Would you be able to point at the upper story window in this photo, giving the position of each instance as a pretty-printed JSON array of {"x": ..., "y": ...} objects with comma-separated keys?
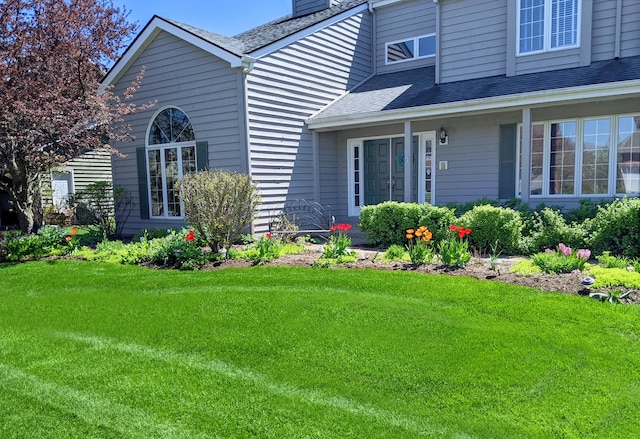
[
  {"x": 171, "y": 154},
  {"x": 545, "y": 25},
  {"x": 413, "y": 48}
]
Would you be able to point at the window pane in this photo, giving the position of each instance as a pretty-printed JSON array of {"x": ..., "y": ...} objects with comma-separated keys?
[
  {"x": 427, "y": 46},
  {"x": 537, "y": 159},
  {"x": 562, "y": 158},
  {"x": 155, "y": 180},
  {"x": 595, "y": 156},
  {"x": 628, "y": 156},
  {"x": 172, "y": 177},
  {"x": 531, "y": 25},
  {"x": 171, "y": 126},
  {"x": 564, "y": 23},
  {"x": 188, "y": 160},
  {"x": 400, "y": 51}
]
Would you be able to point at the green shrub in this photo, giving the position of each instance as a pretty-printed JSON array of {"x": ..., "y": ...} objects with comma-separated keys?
[
  {"x": 609, "y": 261},
  {"x": 219, "y": 205},
  {"x": 460, "y": 209},
  {"x": 48, "y": 241},
  {"x": 587, "y": 210},
  {"x": 616, "y": 228},
  {"x": 614, "y": 277},
  {"x": 491, "y": 224},
  {"x": 395, "y": 252},
  {"x": 386, "y": 224},
  {"x": 548, "y": 228}
]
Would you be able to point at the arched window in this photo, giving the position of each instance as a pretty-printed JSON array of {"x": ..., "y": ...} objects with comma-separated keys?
[{"x": 171, "y": 153}]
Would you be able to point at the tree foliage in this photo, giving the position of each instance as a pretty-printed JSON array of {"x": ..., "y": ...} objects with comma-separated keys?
[
  {"x": 53, "y": 54},
  {"x": 219, "y": 205}
]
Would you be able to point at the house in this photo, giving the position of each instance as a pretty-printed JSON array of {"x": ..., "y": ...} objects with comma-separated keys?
[{"x": 354, "y": 102}]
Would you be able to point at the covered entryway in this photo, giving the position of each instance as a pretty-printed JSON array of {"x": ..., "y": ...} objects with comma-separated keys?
[{"x": 378, "y": 170}]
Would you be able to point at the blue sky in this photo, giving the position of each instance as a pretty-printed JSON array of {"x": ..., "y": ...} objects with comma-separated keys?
[{"x": 226, "y": 17}]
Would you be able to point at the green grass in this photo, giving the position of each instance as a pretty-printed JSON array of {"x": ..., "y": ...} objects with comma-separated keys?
[{"x": 90, "y": 350}]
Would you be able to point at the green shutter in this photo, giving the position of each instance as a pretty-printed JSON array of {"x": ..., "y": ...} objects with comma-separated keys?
[
  {"x": 507, "y": 166},
  {"x": 202, "y": 156},
  {"x": 143, "y": 187}
]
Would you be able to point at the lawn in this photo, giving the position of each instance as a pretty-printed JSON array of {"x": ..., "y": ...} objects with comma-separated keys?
[{"x": 90, "y": 350}]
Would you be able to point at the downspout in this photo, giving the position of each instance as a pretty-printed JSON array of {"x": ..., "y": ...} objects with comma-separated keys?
[
  {"x": 618, "y": 42},
  {"x": 248, "y": 63}
]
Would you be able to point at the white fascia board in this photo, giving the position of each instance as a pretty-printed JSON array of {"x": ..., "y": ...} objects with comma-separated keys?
[
  {"x": 266, "y": 50},
  {"x": 151, "y": 30},
  {"x": 501, "y": 103}
]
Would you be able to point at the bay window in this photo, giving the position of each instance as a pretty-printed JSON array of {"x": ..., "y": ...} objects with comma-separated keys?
[{"x": 584, "y": 157}]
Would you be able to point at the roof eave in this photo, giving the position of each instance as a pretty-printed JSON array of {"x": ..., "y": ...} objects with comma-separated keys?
[
  {"x": 150, "y": 31},
  {"x": 469, "y": 107}
]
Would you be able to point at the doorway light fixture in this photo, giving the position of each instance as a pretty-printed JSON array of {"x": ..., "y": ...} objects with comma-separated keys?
[{"x": 442, "y": 136}]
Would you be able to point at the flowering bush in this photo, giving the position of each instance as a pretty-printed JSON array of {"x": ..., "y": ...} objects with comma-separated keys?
[
  {"x": 419, "y": 247},
  {"x": 338, "y": 243},
  {"x": 561, "y": 260},
  {"x": 454, "y": 251}
]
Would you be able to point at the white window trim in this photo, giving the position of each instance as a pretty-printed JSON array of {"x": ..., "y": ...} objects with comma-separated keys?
[
  {"x": 416, "y": 42},
  {"x": 353, "y": 209},
  {"x": 547, "y": 30},
  {"x": 577, "y": 193}
]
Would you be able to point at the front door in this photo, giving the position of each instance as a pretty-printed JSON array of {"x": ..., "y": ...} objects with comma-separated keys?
[{"x": 383, "y": 170}]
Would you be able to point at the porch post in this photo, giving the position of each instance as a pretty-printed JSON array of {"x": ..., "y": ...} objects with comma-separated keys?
[
  {"x": 525, "y": 176},
  {"x": 408, "y": 160}
]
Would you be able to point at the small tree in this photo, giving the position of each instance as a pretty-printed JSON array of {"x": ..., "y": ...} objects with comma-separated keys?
[
  {"x": 53, "y": 54},
  {"x": 110, "y": 206},
  {"x": 219, "y": 205}
]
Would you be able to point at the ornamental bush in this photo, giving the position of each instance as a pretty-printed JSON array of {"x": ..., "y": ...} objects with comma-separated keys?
[
  {"x": 385, "y": 224},
  {"x": 219, "y": 205},
  {"x": 616, "y": 228},
  {"x": 491, "y": 224},
  {"x": 548, "y": 227}
]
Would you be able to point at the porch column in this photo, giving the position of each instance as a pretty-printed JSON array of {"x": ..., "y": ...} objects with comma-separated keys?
[
  {"x": 525, "y": 176},
  {"x": 408, "y": 161}
]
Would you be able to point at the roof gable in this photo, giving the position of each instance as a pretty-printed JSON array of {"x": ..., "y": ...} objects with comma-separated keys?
[
  {"x": 218, "y": 45},
  {"x": 234, "y": 50}
]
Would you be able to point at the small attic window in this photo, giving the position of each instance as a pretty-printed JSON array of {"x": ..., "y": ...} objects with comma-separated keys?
[
  {"x": 414, "y": 48},
  {"x": 171, "y": 126}
]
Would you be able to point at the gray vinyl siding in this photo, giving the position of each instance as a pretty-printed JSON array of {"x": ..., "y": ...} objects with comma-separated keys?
[
  {"x": 205, "y": 88},
  {"x": 284, "y": 89},
  {"x": 474, "y": 39},
  {"x": 304, "y": 7},
  {"x": 604, "y": 30},
  {"x": 91, "y": 167},
  {"x": 630, "y": 31},
  {"x": 401, "y": 21}
]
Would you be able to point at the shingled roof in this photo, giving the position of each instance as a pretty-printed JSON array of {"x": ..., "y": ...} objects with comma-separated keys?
[
  {"x": 272, "y": 32},
  {"x": 417, "y": 88}
]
